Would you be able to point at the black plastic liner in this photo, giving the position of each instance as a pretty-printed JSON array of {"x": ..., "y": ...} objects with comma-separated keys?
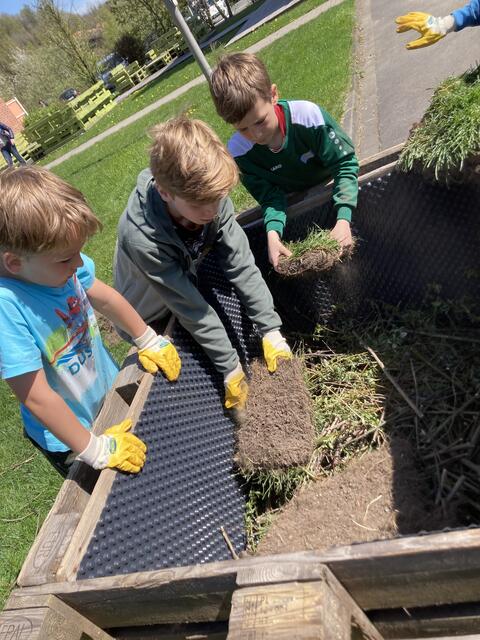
[
  {"x": 411, "y": 235},
  {"x": 171, "y": 513}
]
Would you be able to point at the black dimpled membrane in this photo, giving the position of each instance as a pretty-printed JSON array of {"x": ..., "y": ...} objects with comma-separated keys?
[
  {"x": 410, "y": 235},
  {"x": 171, "y": 513}
]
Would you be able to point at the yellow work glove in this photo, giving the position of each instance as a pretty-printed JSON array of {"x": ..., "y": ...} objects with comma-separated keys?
[
  {"x": 431, "y": 29},
  {"x": 156, "y": 352},
  {"x": 236, "y": 388},
  {"x": 115, "y": 449},
  {"x": 274, "y": 347}
]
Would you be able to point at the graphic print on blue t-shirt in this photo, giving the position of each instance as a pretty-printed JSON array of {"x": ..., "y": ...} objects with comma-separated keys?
[{"x": 54, "y": 329}]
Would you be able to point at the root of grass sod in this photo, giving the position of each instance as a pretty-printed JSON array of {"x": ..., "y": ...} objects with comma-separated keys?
[
  {"x": 276, "y": 429},
  {"x": 314, "y": 254},
  {"x": 377, "y": 496},
  {"x": 310, "y": 262}
]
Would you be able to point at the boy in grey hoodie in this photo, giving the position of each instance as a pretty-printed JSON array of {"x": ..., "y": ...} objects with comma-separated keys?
[{"x": 179, "y": 209}]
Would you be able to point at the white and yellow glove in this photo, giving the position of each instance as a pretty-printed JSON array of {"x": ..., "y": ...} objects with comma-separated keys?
[
  {"x": 115, "y": 449},
  {"x": 156, "y": 352},
  {"x": 431, "y": 29},
  {"x": 236, "y": 388},
  {"x": 274, "y": 347}
]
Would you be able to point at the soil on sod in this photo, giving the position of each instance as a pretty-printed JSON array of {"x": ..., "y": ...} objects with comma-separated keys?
[
  {"x": 276, "y": 429},
  {"x": 311, "y": 262},
  {"x": 378, "y": 496}
]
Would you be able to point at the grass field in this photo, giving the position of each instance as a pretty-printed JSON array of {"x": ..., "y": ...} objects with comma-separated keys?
[
  {"x": 181, "y": 75},
  {"x": 106, "y": 174}
]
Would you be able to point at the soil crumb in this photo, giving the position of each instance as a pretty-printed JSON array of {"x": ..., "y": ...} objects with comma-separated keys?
[
  {"x": 276, "y": 429},
  {"x": 378, "y": 496}
]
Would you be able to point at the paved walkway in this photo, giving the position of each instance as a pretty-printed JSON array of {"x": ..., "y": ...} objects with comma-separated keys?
[
  {"x": 393, "y": 86},
  {"x": 311, "y": 15}
]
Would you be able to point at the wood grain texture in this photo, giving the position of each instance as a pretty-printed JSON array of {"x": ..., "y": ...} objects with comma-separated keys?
[
  {"x": 71, "y": 560},
  {"x": 413, "y": 571},
  {"x": 54, "y": 620},
  {"x": 298, "y": 610}
]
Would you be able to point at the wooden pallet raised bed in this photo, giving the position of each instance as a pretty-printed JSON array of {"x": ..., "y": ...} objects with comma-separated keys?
[{"x": 407, "y": 587}]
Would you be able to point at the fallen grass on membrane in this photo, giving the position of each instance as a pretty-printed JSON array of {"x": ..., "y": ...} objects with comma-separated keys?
[
  {"x": 449, "y": 133},
  {"x": 426, "y": 388}
]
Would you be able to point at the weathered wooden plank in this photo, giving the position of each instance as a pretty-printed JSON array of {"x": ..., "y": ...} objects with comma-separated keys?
[
  {"x": 43, "y": 559},
  {"x": 428, "y": 622},
  {"x": 53, "y": 621},
  {"x": 288, "y": 611},
  {"x": 405, "y": 572},
  {"x": 298, "y": 610},
  {"x": 70, "y": 563}
]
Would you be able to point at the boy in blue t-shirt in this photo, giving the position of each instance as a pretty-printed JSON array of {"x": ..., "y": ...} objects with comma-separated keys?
[{"x": 51, "y": 352}]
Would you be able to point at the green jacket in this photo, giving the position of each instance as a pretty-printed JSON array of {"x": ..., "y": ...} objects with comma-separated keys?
[
  {"x": 315, "y": 150},
  {"x": 155, "y": 272}
]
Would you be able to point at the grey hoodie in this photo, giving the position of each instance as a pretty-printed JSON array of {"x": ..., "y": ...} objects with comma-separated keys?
[{"x": 155, "y": 272}]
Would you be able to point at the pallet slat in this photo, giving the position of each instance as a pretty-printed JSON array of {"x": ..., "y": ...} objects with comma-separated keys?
[{"x": 52, "y": 619}]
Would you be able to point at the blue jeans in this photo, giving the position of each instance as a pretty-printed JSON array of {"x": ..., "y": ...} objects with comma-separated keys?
[{"x": 10, "y": 150}]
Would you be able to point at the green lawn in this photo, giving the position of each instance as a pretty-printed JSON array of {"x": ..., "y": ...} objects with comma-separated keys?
[
  {"x": 106, "y": 174},
  {"x": 179, "y": 76}
]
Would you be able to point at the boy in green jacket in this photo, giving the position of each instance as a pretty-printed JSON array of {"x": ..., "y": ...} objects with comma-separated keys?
[
  {"x": 283, "y": 146},
  {"x": 178, "y": 210}
]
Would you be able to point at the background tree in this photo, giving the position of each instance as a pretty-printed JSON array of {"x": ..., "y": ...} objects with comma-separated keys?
[
  {"x": 61, "y": 31},
  {"x": 130, "y": 47},
  {"x": 146, "y": 18}
]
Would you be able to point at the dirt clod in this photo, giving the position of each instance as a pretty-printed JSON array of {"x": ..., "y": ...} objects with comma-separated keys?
[
  {"x": 276, "y": 429},
  {"x": 377, "y": 496}
]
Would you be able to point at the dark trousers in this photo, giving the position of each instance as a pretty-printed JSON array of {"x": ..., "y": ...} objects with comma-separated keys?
[
  {"x": 61, "y": 461},
  {"x": 10, "y": 150}
]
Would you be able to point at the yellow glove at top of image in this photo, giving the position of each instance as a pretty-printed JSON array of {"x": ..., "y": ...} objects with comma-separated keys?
[{"x": 431, "y": 29}]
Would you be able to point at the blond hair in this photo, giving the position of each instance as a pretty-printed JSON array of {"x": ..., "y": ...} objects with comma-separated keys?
[
  {"x": 188, "y": 159},
  {"x": 236, "y": 83},
  {"x": 40, "y": 212}
]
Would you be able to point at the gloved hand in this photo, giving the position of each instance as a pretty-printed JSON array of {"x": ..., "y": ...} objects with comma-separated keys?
[
  {"x": 156, "y": 352},
  {"x": 275, "y": 346},
  {"x": 115, "y": 449},
  {"x": 236, "y": 388},
  {"x": 431, "y": 29}
]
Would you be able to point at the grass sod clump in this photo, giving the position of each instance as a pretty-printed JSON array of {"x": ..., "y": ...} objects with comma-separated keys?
[
  {"x": 432, "y": 359},
  {"x": 275, "y": 430},
  {"x": 445, "y": 145},
  {"x": 317, "y": 252}
]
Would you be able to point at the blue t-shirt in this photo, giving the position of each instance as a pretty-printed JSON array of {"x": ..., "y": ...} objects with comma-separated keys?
[{"x": 54, "y": 328}]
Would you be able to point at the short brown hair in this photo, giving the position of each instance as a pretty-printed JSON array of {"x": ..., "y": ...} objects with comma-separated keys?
[
  {"x": 40, "y": 212},
  {"x": 236, "y": 83},
  {"x": 188, "y": 159}
]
